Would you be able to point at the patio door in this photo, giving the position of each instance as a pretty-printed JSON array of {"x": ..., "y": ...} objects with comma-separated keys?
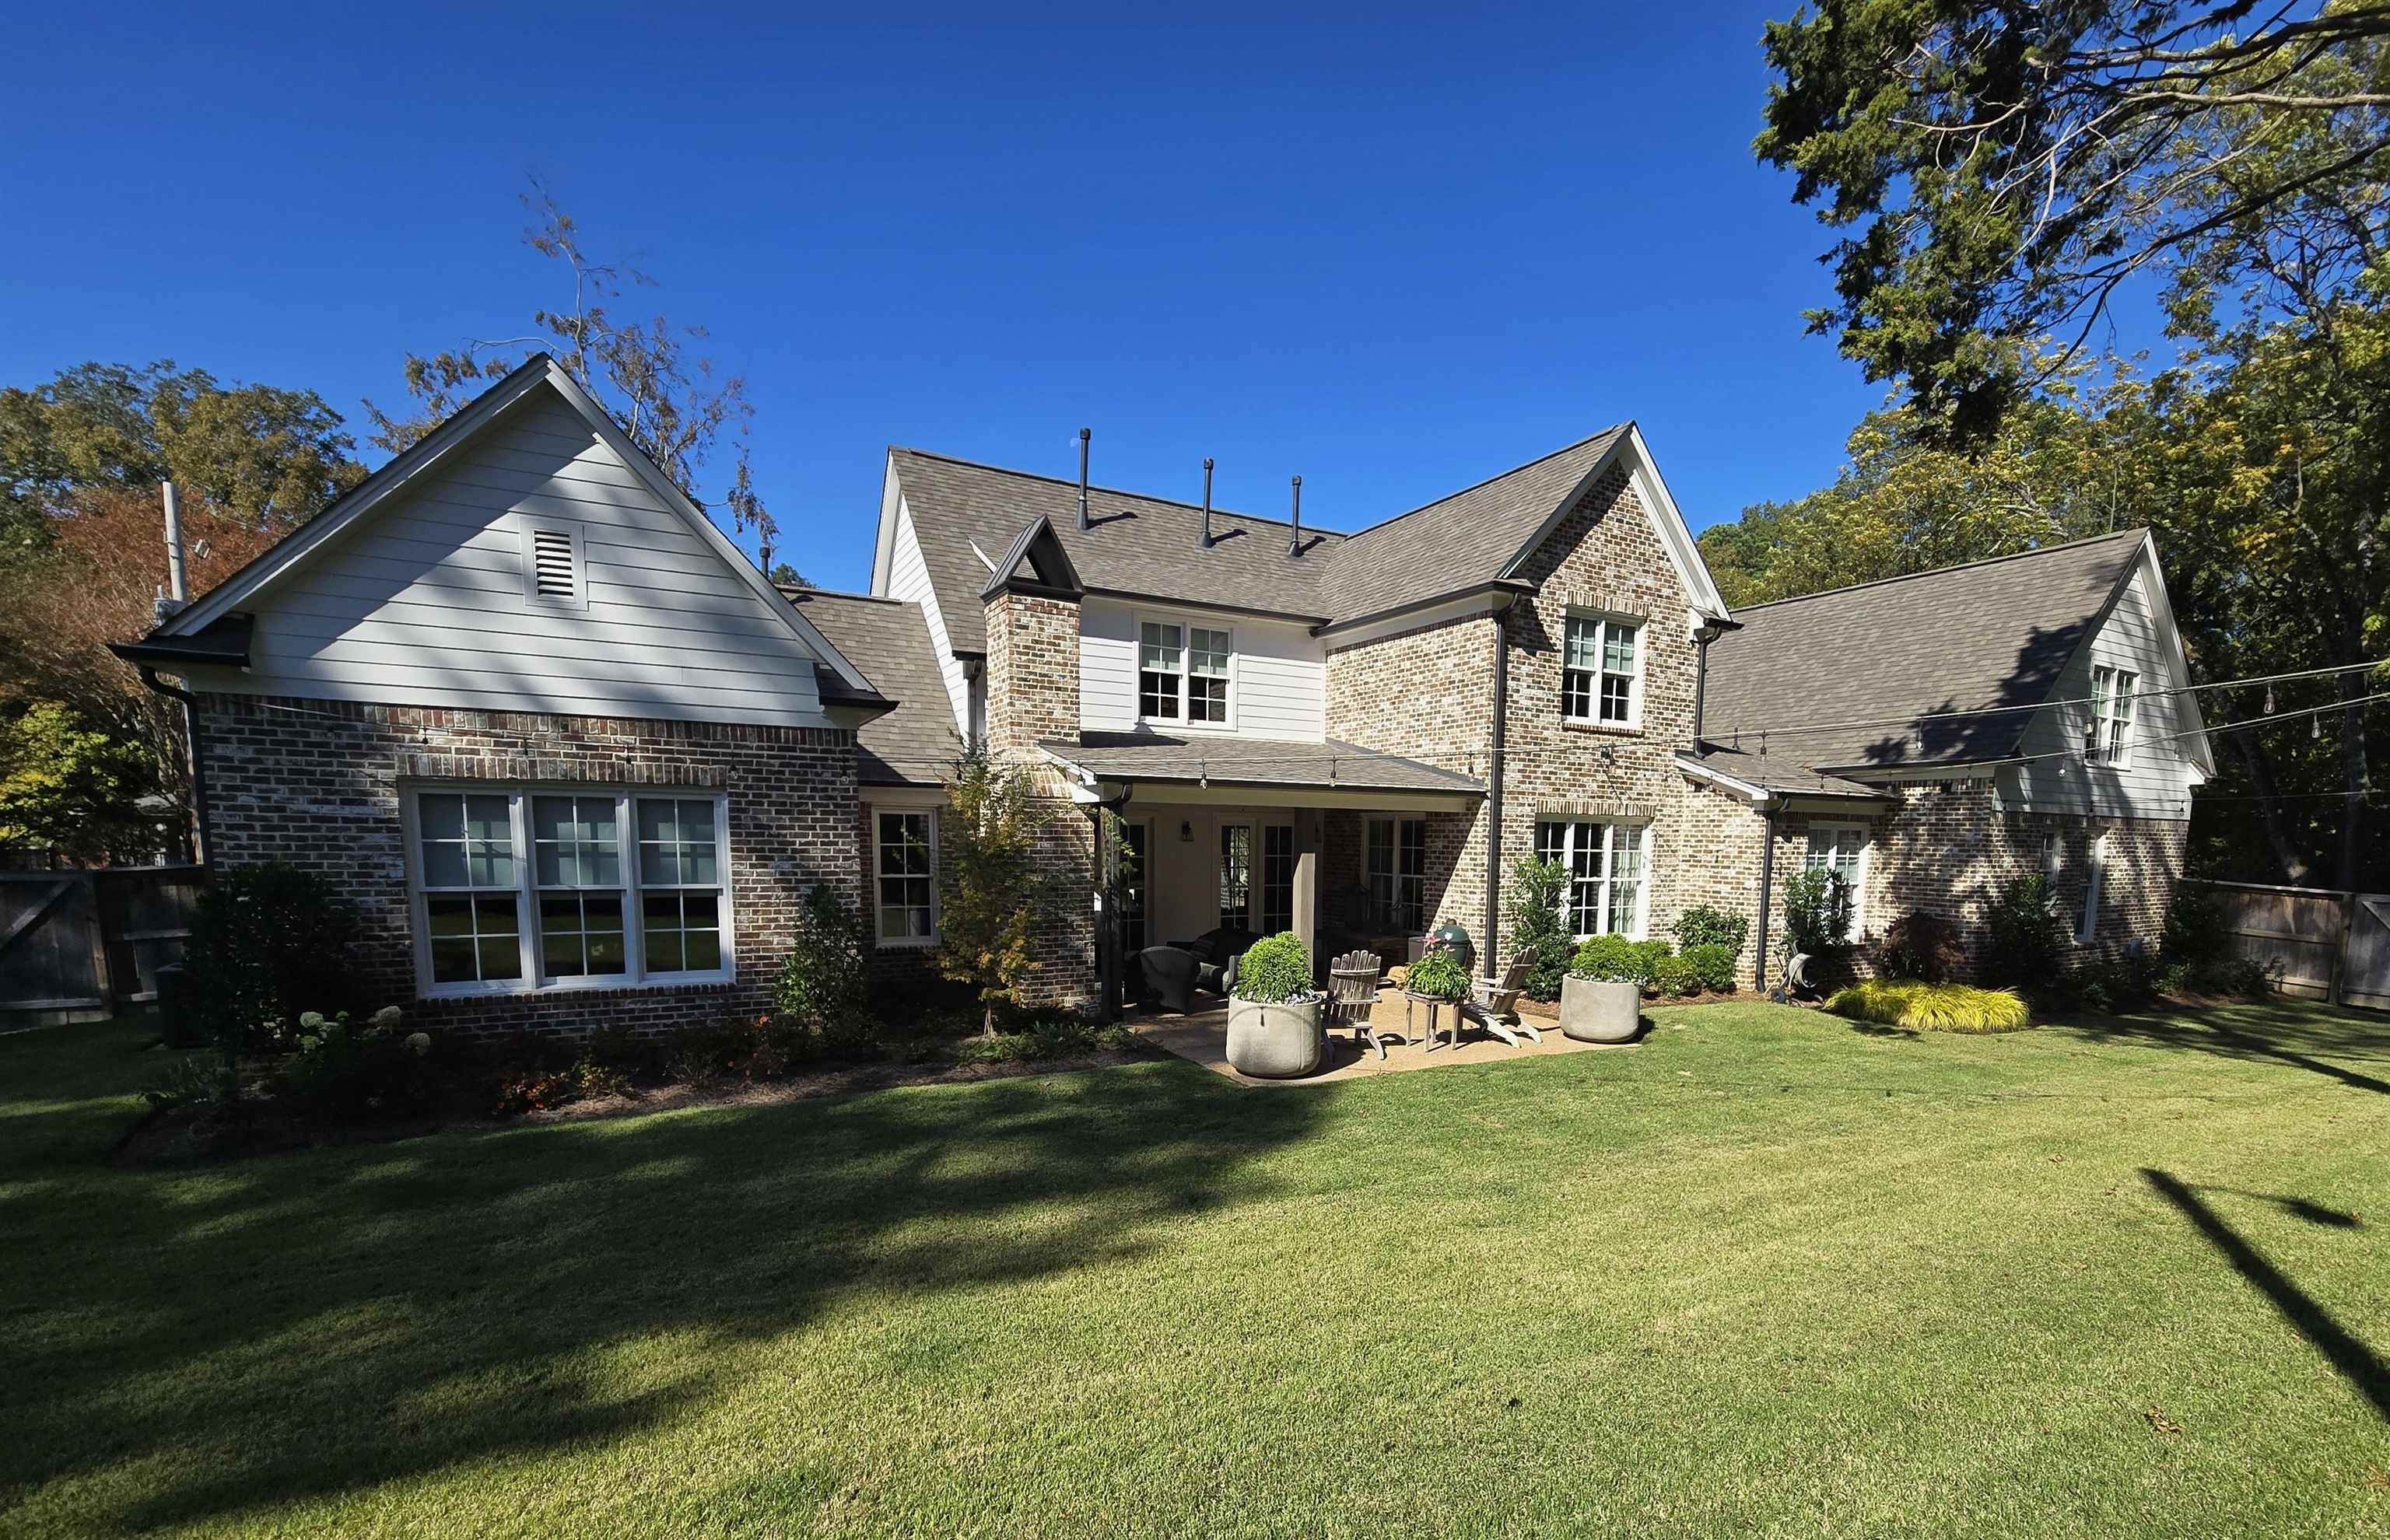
[
  {"x": 1235, "y": 877},
  {"x": 1278, "y": 879}
]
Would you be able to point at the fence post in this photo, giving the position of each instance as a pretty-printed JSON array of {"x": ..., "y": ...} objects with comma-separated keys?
[{"x": 2338, "y": 993}]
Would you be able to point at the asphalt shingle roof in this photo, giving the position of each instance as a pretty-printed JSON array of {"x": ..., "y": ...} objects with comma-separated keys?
[
  {"x": 889, "y": 640},
  {"x": 1992, "y": 632},
  {"x": 1457, "y": 542},
  {"x": 1260, "y": 762},
  {"x": 1139, "y": 545}
]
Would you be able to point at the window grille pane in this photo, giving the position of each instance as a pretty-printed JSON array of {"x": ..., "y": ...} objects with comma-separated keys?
[
  {"x": 474, "y": 938},
  {"x": 1584, "y": 649},
  {"x": 581, "y": 934},
  {"x": 1278, "y": 879},
  {"x": 1618, "y": 647},
  {"x": 574, "y": 842},
  {"x": 1207, "y": 701},
  {"x": 1617, "y": 697},
  {"x": 1576, "y": 692},
  {"x": 1158, "y": 648}
]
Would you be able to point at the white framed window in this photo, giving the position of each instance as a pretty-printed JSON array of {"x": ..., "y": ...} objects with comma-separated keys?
[
  {"x": 1185, "y": 672},
  {"x": 2053, "y": 855},
  {"x": 519, "y": 889},
  {"x": 1278, "y": 879},
  {"x": 1602, "y": 671},
  {"x": 2095, "y": 883},
  {"x": 1235, "y": 877},
  {"x": 1396, "y": 868},
  {"x": 905, "y": 876},
  {"x": 1609, "y": 893},
  {"x": 1841, "y": 852},
  {"x": 2110, "y": 741}
]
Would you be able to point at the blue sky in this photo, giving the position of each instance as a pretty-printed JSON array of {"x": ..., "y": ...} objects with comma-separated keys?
[{"x": 1395, "y": 257}]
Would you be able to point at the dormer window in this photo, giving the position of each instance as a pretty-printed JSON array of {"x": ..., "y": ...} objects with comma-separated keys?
[{"x": 1183, "y": 673}]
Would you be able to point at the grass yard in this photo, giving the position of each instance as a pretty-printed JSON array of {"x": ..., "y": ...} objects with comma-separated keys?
[{"x": 1771, "y": 1273}]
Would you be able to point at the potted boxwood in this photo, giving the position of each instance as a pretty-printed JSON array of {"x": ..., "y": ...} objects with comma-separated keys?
[
  {"x": 1602, "y": 996},
  {"x": 1274, "y": 1029}
]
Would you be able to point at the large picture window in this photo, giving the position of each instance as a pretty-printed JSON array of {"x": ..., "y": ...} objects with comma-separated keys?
[
  {"x": 1606, "y": 866},
  {"x": 1183, "y": 673},
  {"x": 1602, "y": 672},
  {"x": 522, "y": 889},
  {"x": 906, "y": 868},
  {"x": 1398, "y": 874}
]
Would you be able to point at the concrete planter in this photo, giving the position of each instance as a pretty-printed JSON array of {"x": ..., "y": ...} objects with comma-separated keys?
[
  {"x": 1601, "y": 1011},
  {"x": 1276, "y": 1039}
]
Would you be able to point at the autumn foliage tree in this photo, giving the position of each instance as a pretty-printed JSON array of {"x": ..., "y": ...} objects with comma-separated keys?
[{"x": 993, "y": 898}]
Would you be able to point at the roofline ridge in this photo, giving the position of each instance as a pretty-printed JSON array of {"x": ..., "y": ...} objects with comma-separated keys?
[
  {"x": 2142, "y": 529},
  {"x": 1614, "y": 428},
  {"x": 1217, "y": 512},
  {"x": 790, "y": 590}
]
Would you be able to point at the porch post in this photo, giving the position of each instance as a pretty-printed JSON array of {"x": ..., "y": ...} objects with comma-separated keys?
[{"x": 1307, "y": 882}]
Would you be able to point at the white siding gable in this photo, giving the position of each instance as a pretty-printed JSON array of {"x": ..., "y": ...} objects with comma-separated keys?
[
  {"x": 908, "y": 578},
  {"x": 435, "y": 600},
  {"x": 1277, "y": 674},
  {"x": 2158, "y": 781}
]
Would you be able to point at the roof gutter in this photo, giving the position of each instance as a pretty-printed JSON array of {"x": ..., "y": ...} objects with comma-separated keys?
[{"x": 1512, "y": 586}]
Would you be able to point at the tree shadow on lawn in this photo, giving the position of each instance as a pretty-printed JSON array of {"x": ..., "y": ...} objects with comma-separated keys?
[
  {"x": 2304, "y": 1036},
  {"x": 305, "y": 1325}
]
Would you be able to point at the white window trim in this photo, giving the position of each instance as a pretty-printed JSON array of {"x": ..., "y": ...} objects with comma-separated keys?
[
  {"x": 2113, "y": 731},
  {"x": 1187, "y": 627},
  {"x": 1606, "y": 619},
  {"x": 1859, "y": 882},
  {"x": 1640, "y": 834},
  {"x": 906, "y": 943},
  {"x": 525, "y": 526},
  {"x": 635, "y": 952},
  {"x": 2095, "y": 882}
]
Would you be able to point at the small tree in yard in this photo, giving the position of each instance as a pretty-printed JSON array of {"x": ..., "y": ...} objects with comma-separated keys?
[
  {"x": 992, "y": 899},
  {"x": 1537, "y": 932}
]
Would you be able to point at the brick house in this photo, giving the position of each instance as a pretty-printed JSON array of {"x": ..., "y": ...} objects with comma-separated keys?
[{"x": 579, "y": 763}]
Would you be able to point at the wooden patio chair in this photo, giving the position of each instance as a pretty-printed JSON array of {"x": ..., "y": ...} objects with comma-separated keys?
[
  {"x": 1353, "y": 996},
  {"x": 1491, "y": 1001}
]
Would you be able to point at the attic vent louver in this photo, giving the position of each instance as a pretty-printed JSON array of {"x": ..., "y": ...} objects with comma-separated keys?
[{"x": 551, "y": 563}]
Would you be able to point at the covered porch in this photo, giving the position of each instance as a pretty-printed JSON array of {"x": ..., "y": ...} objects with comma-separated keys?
[{"x": 1218, "y": 840}]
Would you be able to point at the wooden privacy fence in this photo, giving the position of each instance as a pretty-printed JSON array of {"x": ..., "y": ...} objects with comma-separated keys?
[
  {"x": 74, "y": 947},
  {"x": 2328, "y": 943}
]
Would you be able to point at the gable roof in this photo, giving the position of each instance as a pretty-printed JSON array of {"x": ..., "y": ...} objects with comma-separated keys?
[
  {"x": 295, "y": 550},
  {"x": 1036, "y": 559},
  {"x": 1878, "y": 655},
  {"x": 963, "y": 513},
  {"x": 1463, "y": 540},
  {"x": 914, "y": 743},
  {"x": 1151, "y": 546}
]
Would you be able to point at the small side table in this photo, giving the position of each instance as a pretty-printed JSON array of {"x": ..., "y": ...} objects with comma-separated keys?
[{"x": 1433, "y": 1002}]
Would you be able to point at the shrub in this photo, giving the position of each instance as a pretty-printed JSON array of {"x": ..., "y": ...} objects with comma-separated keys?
[
  {"x": 1672, "y": 975},
  {"x": 1817, "y": 915},
  {"x": 2117, "y": 986},
  {"x": 1649, "y": 956},
  {"x": 1439, "y": 975},
  {"x": 825, "y": 983},
  {"x": 342, "y": 1072},
  {"x": 2197, "y": 953},
  {"x": 1920, "y": 944},
  {"x": 1713, "y": 963},
  {"x": 268, "y": 942},
  {"x": 1922, "y": 1006},
  {"x": 2025, "y": 941},
  {"x": 1613, "y": 958},
  {"x": 1275, "y": 967},
  {"x": 1704, "y": 925},
  {"x": 1052, "y": 1038},
  {"x": 1536, "y": 926}
]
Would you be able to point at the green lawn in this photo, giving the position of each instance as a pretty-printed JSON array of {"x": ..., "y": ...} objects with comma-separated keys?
[{"x": 1767, "y": 1274}]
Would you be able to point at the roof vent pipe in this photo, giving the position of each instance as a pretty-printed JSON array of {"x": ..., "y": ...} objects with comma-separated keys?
[
  {"x": 1085, "y": 434},
  {"x": 1294, "y": 546},
  {"x": 1207, "y": 502}
]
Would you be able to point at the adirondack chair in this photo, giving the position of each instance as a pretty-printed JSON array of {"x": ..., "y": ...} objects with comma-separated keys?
[
  {"x": 1353, "y": 996},
  {"x": 1491, "y": 1002}
]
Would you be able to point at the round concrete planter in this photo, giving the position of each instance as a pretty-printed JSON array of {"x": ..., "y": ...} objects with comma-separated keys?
[
  {"x": 1276, "y": 1039},
  {"x": 1601, "y": 1011}
]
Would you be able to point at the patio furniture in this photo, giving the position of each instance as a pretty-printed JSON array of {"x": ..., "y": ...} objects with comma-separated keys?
[
  {"x": 1452, "y": 1033},
  {"x": 1490, "y": 1000},
  {"x": 1173, "y": 973},
  {"x": 1353, "y": 996}
]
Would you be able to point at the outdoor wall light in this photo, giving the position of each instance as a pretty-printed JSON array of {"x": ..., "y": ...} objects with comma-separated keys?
[{"x": 1186, "y": 831}]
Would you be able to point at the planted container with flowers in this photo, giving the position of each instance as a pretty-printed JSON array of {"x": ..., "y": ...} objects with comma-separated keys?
[{"x": 1274, "y": 1029}]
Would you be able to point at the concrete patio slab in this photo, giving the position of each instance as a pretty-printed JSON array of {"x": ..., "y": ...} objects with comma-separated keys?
[{"x": 1202, "y": 1038}]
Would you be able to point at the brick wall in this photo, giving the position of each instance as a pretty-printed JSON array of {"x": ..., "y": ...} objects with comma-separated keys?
[
  {"x": 317, "y": 783},
  {"x": 1033, "y": 693}
]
